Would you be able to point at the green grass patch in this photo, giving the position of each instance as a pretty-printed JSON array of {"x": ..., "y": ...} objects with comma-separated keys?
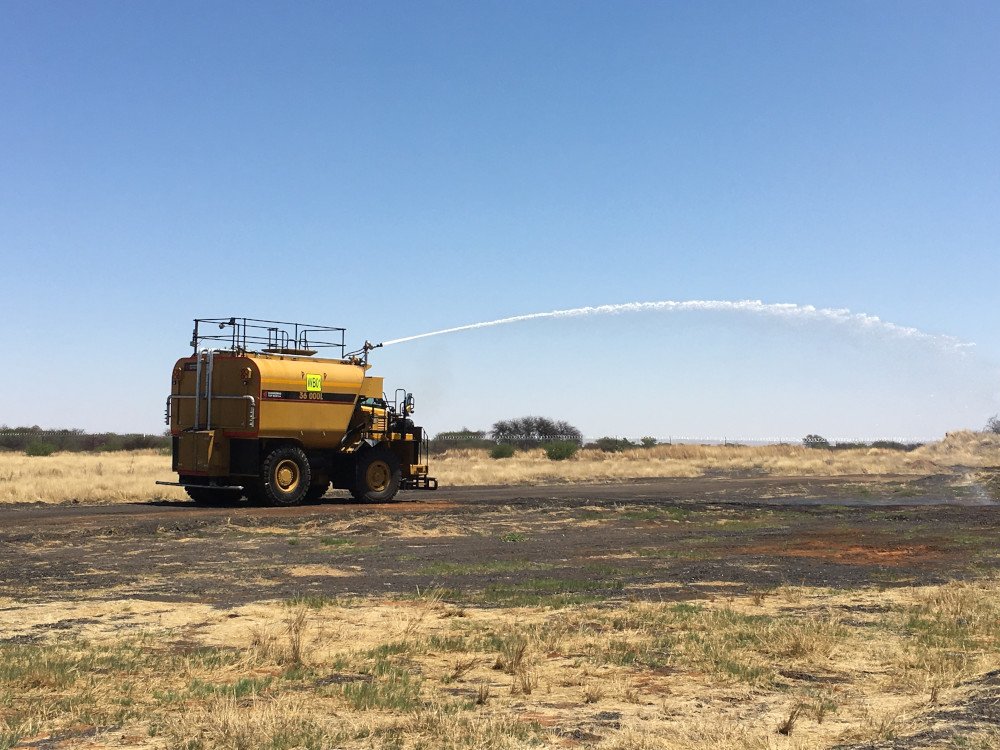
[
  {"x": 242, "y": 688},
  {"x": 385, "y": 650},
  {"x": 721, "y": 661},
  {"x": 393, "y": 689},
  {"x": 450, "y": 643},
  {"x": 200, "y": 690},
  {"x": 62, "y": 665},
  {"x": 336, "y": 541},
  {"x": 671, "y": 513},
  {"x": 553, "y": 592},
  {"x": 636, "y": 652},
  {"x": 493, "y": 566}
]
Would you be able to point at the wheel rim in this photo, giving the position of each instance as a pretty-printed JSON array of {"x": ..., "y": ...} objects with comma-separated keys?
[
  {"x": 287, "y": 475},
  {"x": 378, "y": 475}
]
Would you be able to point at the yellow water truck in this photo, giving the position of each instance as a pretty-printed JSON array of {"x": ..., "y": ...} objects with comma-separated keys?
[{"x": 254, "y": 413}]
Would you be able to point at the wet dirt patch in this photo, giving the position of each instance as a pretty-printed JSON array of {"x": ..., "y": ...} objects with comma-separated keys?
[
  {"x": 846, "y": 552},
  {"x": 646, "y": 540}
]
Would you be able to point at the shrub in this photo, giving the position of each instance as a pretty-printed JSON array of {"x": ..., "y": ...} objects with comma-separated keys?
[
  {"x": 19, "y": 438},
  {"x": 503, "y": 450},
  {"x": 849, "y": 446},
  {"x": 612, "y": 444},
  {"x": 532, "y": 432},
  {"x": 815, "y": 441},
  {"x": 561, "y": 450},
  {"x": 993, "y": 424},
  {"x": 38, "y": 448},
  {"x": 895, "y": 445},
  {"x": 648, "y": 441},
  {"x": 113, "y": 443}
]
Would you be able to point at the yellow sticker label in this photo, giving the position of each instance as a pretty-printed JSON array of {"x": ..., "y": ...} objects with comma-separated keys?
[{"x": 314, "y": 382}]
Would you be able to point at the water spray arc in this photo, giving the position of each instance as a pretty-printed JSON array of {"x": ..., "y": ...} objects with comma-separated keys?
[{"x": 787, "y": 311}]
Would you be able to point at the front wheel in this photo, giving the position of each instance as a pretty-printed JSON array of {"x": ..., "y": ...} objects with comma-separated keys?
[
  {"x": 377, "y": 476},
  {"x": 285, "y": 476}
]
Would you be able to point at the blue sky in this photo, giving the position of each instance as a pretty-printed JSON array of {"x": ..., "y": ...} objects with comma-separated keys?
[{"x": 402, "y": 167}]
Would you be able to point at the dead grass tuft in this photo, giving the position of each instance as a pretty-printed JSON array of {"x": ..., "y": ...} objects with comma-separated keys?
[
  {"x": 462, "y": 667},
  {"x": 788, "y": 724},
  {"x": 296, "y": 627},
  {"x": 593, "y": 692},
  {"x": 878, "y": 725},
  {"x": 482, "y": 694},
  {"x": 513, "y": 648},
  {"x": 238, "y": 725},
  {"x": 524, "y": 683},
  {"x": 286, "y": 645},
  {"x": 814, "y": 639},
  {"x": 966, "y": 449}
]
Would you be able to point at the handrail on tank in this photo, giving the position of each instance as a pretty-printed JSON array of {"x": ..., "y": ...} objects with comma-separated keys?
[
  {"x": 252, "y": 417},
  {"x": 208, "y": 390},
  {"x": 197, "y": 391},
  {"x": 255, "y": 334}
]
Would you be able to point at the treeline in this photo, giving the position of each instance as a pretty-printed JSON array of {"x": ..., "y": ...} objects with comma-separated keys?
[
  {"x": 818, "y": 441},
  {"x": 557, "y": 437},
  {"x": 38, "y": 442},
  {"x": 521, "y": 433}
]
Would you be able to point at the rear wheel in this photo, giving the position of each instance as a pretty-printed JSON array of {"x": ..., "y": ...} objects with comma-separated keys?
[
  {"x": 377, "y": 476},
  {"x": 285, "y": 477}
]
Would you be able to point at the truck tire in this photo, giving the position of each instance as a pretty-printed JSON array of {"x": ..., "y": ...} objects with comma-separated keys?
[
  {"x": 212, "y": 496},
  {"x": 377, "y": 476},
  {"x": 285, "y": 477}
]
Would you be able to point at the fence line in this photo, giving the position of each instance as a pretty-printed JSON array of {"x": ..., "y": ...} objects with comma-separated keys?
[
  {"x": 68, "y": 433},
  {"x": 669, "y": 439},
  {"x": 684, "y": 439}
]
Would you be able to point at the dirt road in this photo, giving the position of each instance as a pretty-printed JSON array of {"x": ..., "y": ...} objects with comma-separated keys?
[
  {"x": 671, "y": 538},
  {"x": 861, "y": 491}
]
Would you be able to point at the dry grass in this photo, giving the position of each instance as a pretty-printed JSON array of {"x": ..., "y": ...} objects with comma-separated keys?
[
  {"x": 966, "y": 449},
  {"x": 86, "y": 477},
  {"x": 739, "y": 673},
  {"x": 130, "y": 476}
]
